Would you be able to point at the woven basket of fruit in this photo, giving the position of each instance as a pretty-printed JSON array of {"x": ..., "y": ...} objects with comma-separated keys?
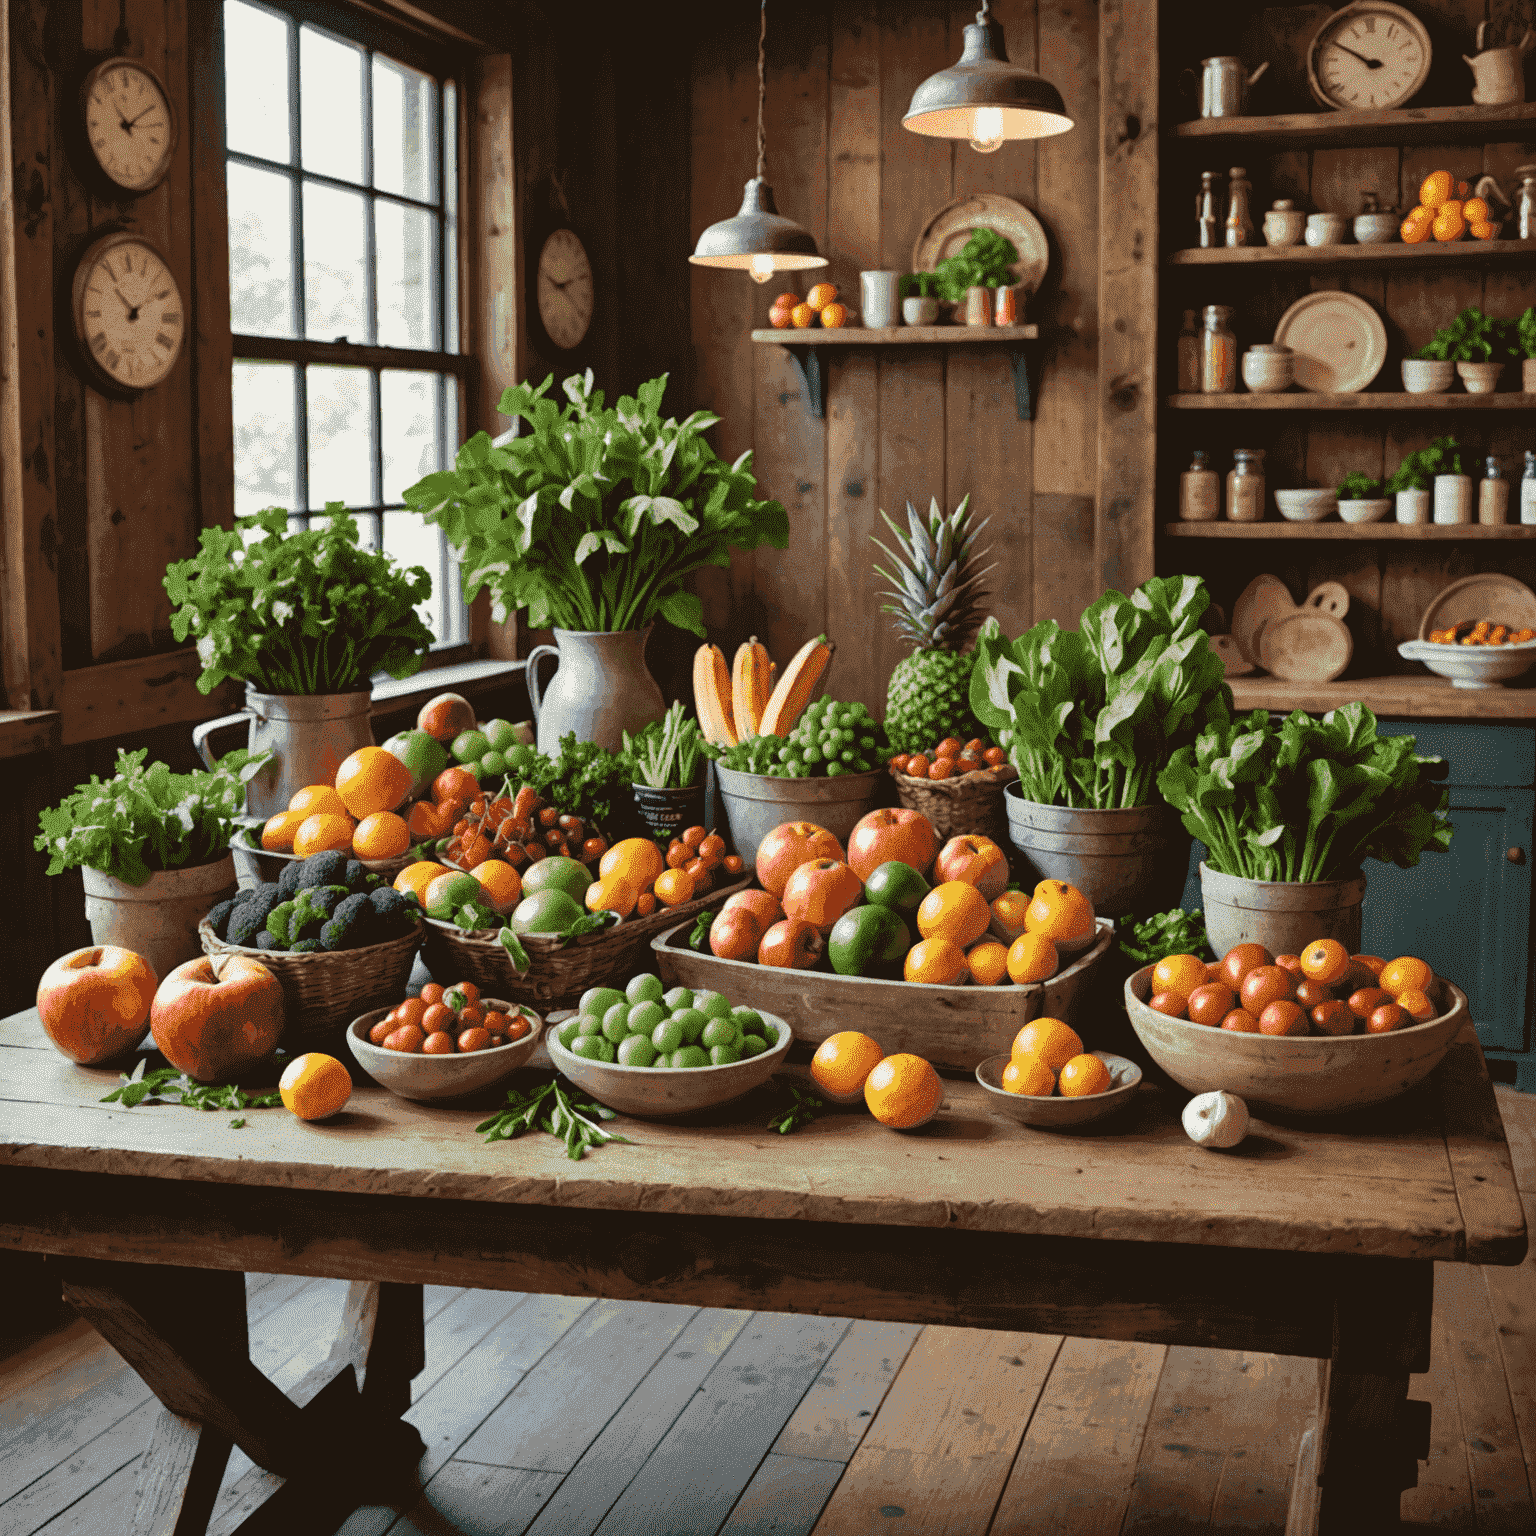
[{"x": 959, "y": 787}]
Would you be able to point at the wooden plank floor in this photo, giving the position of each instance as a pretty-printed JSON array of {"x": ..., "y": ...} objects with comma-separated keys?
[{"x": 559, "y": 1417}]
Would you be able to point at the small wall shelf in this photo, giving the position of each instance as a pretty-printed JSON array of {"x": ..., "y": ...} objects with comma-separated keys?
[
  {"x": 1364, "y": 400},
  {"x": 1416, "y": 532},
  {"x": 1428, "y": 253},
  {"x": 1402, "y": 125},
  {"x": 1409, "y": 697},
  {"x": 806, "y": 348}
]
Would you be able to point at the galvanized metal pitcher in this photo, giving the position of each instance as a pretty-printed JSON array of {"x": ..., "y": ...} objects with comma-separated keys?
[{"x": 1224, "y": 82}]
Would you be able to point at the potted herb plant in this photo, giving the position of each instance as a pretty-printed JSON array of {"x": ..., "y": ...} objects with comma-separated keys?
[
  {"x": 1414, "y": 476},
  {"x": 1525, "y": 345},
  {"x": 304, "y": 619},
  {"x": 666, "y": 763},
  {"x": 1478, "y": 345},
  {"x": 919, "y": 298},
  {"x": 1289, "y": 813},
  {"x": 984, "y": 261},
  {"x": 1360, "y": 499},
  {"x": 152, "y": 847},
  {"x": 591, "y": 519},
  {"x": 1088, "y": 718}
]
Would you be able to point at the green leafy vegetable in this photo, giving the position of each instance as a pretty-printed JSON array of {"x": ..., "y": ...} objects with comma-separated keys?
[
  {"x": 1164, "y": 933},
  {"x": 298, "y": 612},
  {"x": 1309, "y": 800},
  {"x": 474, "y": 915},
  {"x": 921, "y": 285},
  {"x": 802, "y": 1109},
  {"x": 701, "y": 926},
  {"x": 1525, "y": 333},
  {"x": 1358, "y": 486},
  {"x": 1416, "y": 471},
  {"x": 668, "y": 753},
  {"x": 166, "y": 1085},
  {"x": 1472, "y": 337},
  {"x": 552, "y": 1109},
  {"x": 984, "y": 261}
]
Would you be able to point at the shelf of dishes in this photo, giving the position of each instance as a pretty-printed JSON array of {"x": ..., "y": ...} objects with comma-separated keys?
[
  {"x": 1458, "y": 253},
  {"x": 1402, "y": 125}
]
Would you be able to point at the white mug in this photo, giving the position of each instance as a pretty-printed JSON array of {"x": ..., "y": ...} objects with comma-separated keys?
[{"x": 877, "y": 293}]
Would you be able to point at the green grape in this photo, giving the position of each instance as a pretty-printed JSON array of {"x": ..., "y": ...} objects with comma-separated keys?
[
  {"x": 811, "y": 755},
  {"x": 833, "y": 769}
]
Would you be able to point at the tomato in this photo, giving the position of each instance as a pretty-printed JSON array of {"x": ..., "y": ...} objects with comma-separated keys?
[
  {"x": 475, "y": 1040},
  {"x": 1291, "y": 964},
  {"x": 1171, "y": 1003},
  {"x": 1266, "y": 984},
  {"x": 438, "y": 1017},
  {"x": 411, "y": 1010},
  {"x": 1310, "y": 993},
  {"x": 382, "y": 1031},
  {"x": 1283, "y": 1018},
  {"x": 431, "y": 993},
  {"x": 1333, "y": 1018},
  {"x": 1240, "y": 1022},
  {"x": 1385, "y": 1019},
  {"x": 1241, "y": 959},
  {"x": 407, "y": 1037},
  {"x": 1211, "y": 1003},
  {"x": 439, "y": 1043}
]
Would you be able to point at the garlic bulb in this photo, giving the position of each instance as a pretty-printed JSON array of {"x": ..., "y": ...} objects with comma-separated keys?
[{"x": 1216, "y": 1119}]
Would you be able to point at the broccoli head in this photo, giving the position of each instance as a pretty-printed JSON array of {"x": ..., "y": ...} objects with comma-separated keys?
[
  {"x": 218, "y": 919},
  {"x": 351, "y": 925},
  {"x": 265, "y": 940},
  {"x": 324, "y": 899},
  {"x": 306, "y": 947},
  {"x": 394, "y": 913},
  {"x": 359, "y": 877},
  {"x": 288, "y": 881},
  {"x": 249, "y": 915},
  {"x": 304, "y": 916},
  {"x": 328, "y": 868}
]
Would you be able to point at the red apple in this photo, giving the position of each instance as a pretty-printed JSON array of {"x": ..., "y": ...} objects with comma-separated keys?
[
  {"x": 787, "y": 847},
  {"x": 763, "y": 906},
  {"x": 821, "y": 891},
  {"x": 793, "y": 944},
  {"x": 215, "y": 1018},
  {"x": 976, "y": 860},
  {"x": 1174, "y": 1004},
  {"x": 94, "y": 1002},
  {"x": 892, "y": 833},
  {"x": 735, "y": 934},
  {"x": 445, "y": 716}
]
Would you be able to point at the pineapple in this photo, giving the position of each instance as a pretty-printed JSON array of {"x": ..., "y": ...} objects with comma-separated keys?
[{"x": 936, "y": 598}]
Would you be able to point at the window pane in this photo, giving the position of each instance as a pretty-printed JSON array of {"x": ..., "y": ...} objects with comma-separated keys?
[
  {"x": 260, "y": 252},
  {"x": 407, "y": 281},
  {"x": 410, "y": 430},
  {"x": 404, "y": 131},
  {"x": 413, "y": 542},
  {"x": 340, "y": 436},
  {"x": 331, "y": 105},
  {"x": 266, "y": 448},
  {"x": 450, "y": 341},
  {"x": 256, "y": 82},
  {"x": 335, "y": 263}
]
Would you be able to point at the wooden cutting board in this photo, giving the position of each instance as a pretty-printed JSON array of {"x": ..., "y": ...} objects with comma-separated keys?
[
  {"x": 1264, "y": 598},
  {"x": 1331, "y": 597},
  {"x": 1233, "y": 662},
  {"x": 1306, "y": 646}
]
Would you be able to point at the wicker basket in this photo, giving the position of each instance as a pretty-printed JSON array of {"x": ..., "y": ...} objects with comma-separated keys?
[
  {"x": 560, "y": 972},
  {"x": 971, "y": 803},
  {"x": 324, "y": 991}
]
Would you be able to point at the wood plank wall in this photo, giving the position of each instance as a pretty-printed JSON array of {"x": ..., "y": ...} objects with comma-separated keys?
[
  {"x": 1389, "y": 584},
  {"x": 901, "y": 425}
]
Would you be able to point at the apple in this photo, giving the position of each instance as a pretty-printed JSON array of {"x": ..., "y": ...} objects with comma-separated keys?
[
  {"x": 764, "y": 907},
  {"x": 821, "y": 891},
  {"x": 736, "y": 933},
  {"x": 214, "y": 1018},
  {"x": 976, "y": 860},
  {"x": 455, "y": 783},
  {"x": 94, "y": 1002},
  {"x": 446, "y": 715},
  {"x": 892, "y": 832},
  {"x": 422, "y": 754},
  {"x": 792, "y": 944},
  {"x": 789, "y": 845},
  {"x": 869, "y": 941}
]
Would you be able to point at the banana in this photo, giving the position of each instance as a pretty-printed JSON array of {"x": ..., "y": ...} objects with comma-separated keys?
[
  {"x": 751, "y": 684},
  {"x": 712, "y": 696},
  {"x": 796, "y": 688}
]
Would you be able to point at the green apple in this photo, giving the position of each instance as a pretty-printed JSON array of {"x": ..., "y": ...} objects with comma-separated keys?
[
  {"x": 868, "y": 941},
  {"x": 446, "y": 893},
  {"x": 470, "y": 746},
  {"x": 550, "y": 911},
  {"x": 558, "y": 873},
  {"x": 425, "y": 758},
  {"x": 644, "y": 988},
  {"x": 897, "y": 886},
  {"x": 492, "y": 766},
  {"x": 501, "y": 734}
]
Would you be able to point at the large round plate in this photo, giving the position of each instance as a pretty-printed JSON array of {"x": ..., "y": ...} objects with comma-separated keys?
[
  {"x": 1489, "y": 595},
  {"x": 1338, "y": 339},
  {"x": 1305, "y": 646},
  {"x": 951, "y": 227}
]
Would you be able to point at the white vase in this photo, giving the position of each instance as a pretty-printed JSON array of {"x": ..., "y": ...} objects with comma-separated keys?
[
  {"x": 877, "y": 299},
  {"x": 1453, "y": 501},
  {"x": 600, "y": 690},
  {"x": 1427, "y": 375},
  {"x": 1413, "y": 506},
  {"x": 1480, "y": 378}
]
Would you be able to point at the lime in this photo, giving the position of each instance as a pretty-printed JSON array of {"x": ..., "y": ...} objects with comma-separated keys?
[
  {"x": 678, "y": 997},
  {"x": 644, "y": 1017},
  {"x": 543, "y": 912},
  {"x": 589, "y": 1024},
  {"x": 558, "y": 873},
  {"x": 492, "y": 765},
  {"x": 723, "y": 1055},
  {"x": 445, "y": 894},
  {"x": 616, "y": 1022},
  {"x": 692, "y": 1022},
  {"x": 667, "y": 1036},
  {"x": 753, "y": 1045},
  {"x": 568, "y": 1032},
  {"x": 712, "y": 1005},
  {"x": 636, "y": 1051},
  {"x": 501, "y": 734},
  {"x": 749, "y": 1021},
  {"x": 897, "y": 886},
  {"x": 690, "y": 1056},
  {"x": 470, "y": 746},
  {"x": 719, "y": 1032},
  {"x": 593, "y": 1048},
  {"x": 644, "y": 988},
  {"x": 599, "y": 1000}
]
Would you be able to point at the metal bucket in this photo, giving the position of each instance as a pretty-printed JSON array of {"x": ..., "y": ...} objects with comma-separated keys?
[
  {"x": 667, "y": 813},
  {"x": 158, "y": 920},
  {"x": 309, "y": 735},
  {"x": 755, "y": 804},
  {"x": 1282, "y": 915},
  {"x": 1132, "y": 861}
]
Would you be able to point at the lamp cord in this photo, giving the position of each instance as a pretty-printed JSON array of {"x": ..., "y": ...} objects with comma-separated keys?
[{"x": 762, "y": 93}]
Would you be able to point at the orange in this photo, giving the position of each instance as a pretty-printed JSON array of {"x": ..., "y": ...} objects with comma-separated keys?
[
  {"x": 1435, "y": 189},
  {"x": 372, "y": 779},
  {"x": 821, "y": 295},
  {"x": 314, "y": 1086},
  {"x": 1475, "y": 211},
  {"x": 1178, "y": 973},
  {"x": 903, "y": 1092},
  {"x": 842, "y": 1063},
  {"x": 277, "y": 835},
  {"x": 1373, "y": 963},
  {"x": 382, "y": 835},
  {"x": 1059, "y": 911},
  {"x": 1325, "y": 961},
  {"x": 673, "y": 887},
  {"x": 988, "y": 963},
  {"x": 1008, "y": 915},
  {"x": 1405, "y": 974},
  {"x": 802, "y": 316},
  {"x": 956, "y": 911},
  {"x": 1054, "y": 1041},
  {"x": 1030, "y": 1076},
  {"x": 1483, "y": 230},
  {"x": 1416, "y": 227},
  {"x": 502, "y": 884},
  {"x": 637, "y": 859},
  {"x": 939, "y": 962},
  {"x": 833, "y": 316},
  {"x": 315, "y": 798},
  {"x": 1083, "y": 1075},
  {"x": 1416, "y": 1005},
  {"x": 613, "y": 893},
  {"x": 321, "y": 833},
  {"x": 1031, "y": 957},
  {"x": 417, "y": 877},
  {"x": 1449, "y": 224}
]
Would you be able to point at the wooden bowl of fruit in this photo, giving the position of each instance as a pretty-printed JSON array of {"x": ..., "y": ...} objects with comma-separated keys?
[
  {"x": 1055, "y": 1111},
  {"x": 958, "y": 786}
]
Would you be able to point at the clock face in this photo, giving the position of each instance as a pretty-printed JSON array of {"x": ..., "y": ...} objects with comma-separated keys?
[
  {"x": 129, "y": 123},
  {"x": 1369, "y": 57},
  {"x": 128, "y": 313},
  {"x": 565, "y": 289}
]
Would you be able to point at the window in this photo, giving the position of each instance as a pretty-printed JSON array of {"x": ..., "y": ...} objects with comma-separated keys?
[{"x": 342, "y": 176}]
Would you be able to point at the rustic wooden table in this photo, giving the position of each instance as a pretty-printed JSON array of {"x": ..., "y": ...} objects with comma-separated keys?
[{"x": 1315, "y": 1241}]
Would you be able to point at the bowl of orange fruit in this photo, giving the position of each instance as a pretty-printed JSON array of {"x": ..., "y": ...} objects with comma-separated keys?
[
  {"x": 1316, "y": 1033},
  {"x": 1049, "y": 1080}
]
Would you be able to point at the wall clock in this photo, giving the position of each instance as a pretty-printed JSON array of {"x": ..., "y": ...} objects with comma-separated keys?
[
  {"x": 1370, "y": 56},
  {"x": 563, "y": 289},
  {"x": 129, "y": 317},
  {"x": 130, "y": 124}
]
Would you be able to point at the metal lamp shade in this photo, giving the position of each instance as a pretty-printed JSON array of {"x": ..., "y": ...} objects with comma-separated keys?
[
  {"x": 1021, "y": 103},
  {"x": 757, "y": 231}
]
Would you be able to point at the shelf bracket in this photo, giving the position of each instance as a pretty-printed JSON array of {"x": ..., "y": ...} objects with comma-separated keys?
[
  {"x": 808, "y": 365},
  {"x": 1018, "y": 358}
]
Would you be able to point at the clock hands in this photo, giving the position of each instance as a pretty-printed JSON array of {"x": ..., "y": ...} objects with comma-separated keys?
[
  {"x": 1369, "y": 63},
  {"x": 133, "y": 309}
]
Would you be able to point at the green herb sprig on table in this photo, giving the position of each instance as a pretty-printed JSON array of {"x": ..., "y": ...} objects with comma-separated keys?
[
  {"x": 1416, "y": 471},
  {"x": 552, "y": 1110},
  {"x": 668, "y": 753},
  {"x": 802, "y": 1109},
  {"x": 167, "y": 1085},
  {"x": 984, "y": 261}
]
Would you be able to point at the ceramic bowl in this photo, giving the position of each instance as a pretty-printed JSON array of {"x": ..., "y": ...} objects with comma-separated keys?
[
  {"x": 1306, "y": 506},
  {"x": 1428, "y": 375},
  {"x": 1269, "y": 369},
  {"x": 1370, "y": 509},
  {"x": 1296, "y": 1074},
  {"x": 1326, "y": 228},
  {"x": 1284, "y": 226},
  {"x": 657, "y": 1093},
  {"x": 1472, "y": 666},
  {"x": 1056, "y": 1113},
  {"x": 920, "y": 310},
  {"x": 1378, "y": 228},
  {"x": 429, "y": 1078},
  {"x": 1480, "y": 378}
]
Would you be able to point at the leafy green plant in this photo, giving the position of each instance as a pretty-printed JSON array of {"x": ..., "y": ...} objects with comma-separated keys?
[
  {"x": 1164, "y": 933},
  {"x": 1417, "y": 471},
  {"x": 919, "y": 285},
  {"x": 1309, "y": 799},
  {"x": 1358, "y": 486},
  {"x": 592, "y": 518},
  {"x": 145, "y": 819},
  {"x": 669, "y": 753},
  {"x": 1089, "y": 716},
  {"x": 1525, "y": 333},
  {"x": 1472, "y": 337},
  {"x": 984, "y": 261},
  {"x": 306, "y": 612}
]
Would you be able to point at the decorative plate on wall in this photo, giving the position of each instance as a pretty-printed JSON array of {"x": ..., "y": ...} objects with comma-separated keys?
[
  {"x": 1338, "y": 339},
  {"x": 948, "y": 230}
]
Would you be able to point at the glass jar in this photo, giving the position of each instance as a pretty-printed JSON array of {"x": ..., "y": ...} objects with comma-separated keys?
[
  {"x": 1245, "y": 486},
  {"x": 1218, "y": 352},
  {"x": 1188, "y": 380},
  {"x": 1199, "y": 491},
  {"x": 1493, "y": 496},
  {"x": 1207, "y": 211}
]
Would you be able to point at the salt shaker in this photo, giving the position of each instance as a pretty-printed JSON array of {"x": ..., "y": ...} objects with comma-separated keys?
[
  {"x": 1207, "y": 211},
  {"x": 1199, "y": 491},
  {"x": 1528, "y": 490},
  {"x": 1493, "y": 496},
  {"x": 1189, "y": 356},
  {"x": 1218, "y": 352},
  {"x": 1239, "y": 222},
  {"x": 1245, "y": 486}
]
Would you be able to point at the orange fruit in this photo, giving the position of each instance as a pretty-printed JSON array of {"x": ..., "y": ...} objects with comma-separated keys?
[
  {"x": 1178, "y": 973},
  {"x": 1475, "y": 211},
  {"x": 1008, "y": 912},
  {"x": 417, "y": 877},
  {"x": 1483, "y": 230},
  {"x": 502, "y": 884},
  {"x": 821, "y": 295},
  {"x": 277, "y": 835},
  {"x": 1405, "y": 974},
  {"x": 1435, "y": 189},
  {"x": 316, "y": 798},
  {"x": 673, "y": 887},
  {"x": 1325, "y": 961},
  {"x": 372, "y": 779},
  {"x": 956, "y": 911},
  {"x": 833, "y": 316},
  {"x": 1030, "y": 1076},
  {"x": 1416, "y": 1005},
  {"x": 1414, "y": 230},
  {"x": 938, "y": 962},
  {"x": 1449, "y": 224},
  {"x": 613, "y": 893},
  {"x": 842, "y": 1063},
  {"x": 1054, "y": 1041},
  {"x": 636, "y": 859},
  {"x": 1373, "y": 963},
  {"x": 802, "y": 317},
  {"x": 321, "y": 833},
  {"x": 903, "y": 1092},
  {"x": 988, "y": 963},
  {"x": 1031, "y": 957},
  {"x": 1059, "y": 911},
  {"x": 382, "y": 835},
  {"x": 314, "y": 1086},
  {"x": 1083, "y": 1075}
]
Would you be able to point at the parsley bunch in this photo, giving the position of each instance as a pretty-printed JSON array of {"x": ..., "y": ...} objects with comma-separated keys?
[{"x": 298, "y": 612}]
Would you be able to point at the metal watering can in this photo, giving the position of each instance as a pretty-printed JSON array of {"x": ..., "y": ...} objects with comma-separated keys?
[
  {"x": 1224, "y": 83},
  {"x": 1498, "y": 74}
]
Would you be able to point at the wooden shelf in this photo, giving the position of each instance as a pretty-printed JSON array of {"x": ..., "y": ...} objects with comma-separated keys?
[
  {"x": 1430, "y": 253},
  {"x": 1364, "y": 400},
  {"x": 1404, "y": 125},
  {"x": 1410, "y": 697},
  {"x": 1416, "y": 532}
]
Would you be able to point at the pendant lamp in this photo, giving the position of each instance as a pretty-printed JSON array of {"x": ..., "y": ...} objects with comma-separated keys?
[
  {"x": 984, "y": 98},
  {"x": 759, "y": 239}
]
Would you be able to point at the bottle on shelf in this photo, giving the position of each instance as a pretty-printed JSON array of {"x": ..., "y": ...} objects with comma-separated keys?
[
  {"x": 1189, "y": 355},
  {"x": 1207, "y": 211},
  {"x": 1493, "y": 496},
  {"x": 1239, "y": 227},
  {"x": 1199, "y": 491},
  {"x": 1525, "y": 203},
  {"x": 1245, "y": 486},
  {"x": 1528, "y": 489},
  {"x": 1218, "y": 352}
]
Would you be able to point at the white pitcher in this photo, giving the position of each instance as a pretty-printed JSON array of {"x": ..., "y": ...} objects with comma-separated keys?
[{"x": 1498, "y": 74}]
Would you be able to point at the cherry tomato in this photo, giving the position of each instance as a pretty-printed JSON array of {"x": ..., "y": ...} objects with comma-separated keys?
[
  {"x": 495, "y": 1023},
  {"x": 411, "y": 1010},
  {"x": 474, "y": 1040},
  {"x": 1310, "y": 993},
  {"x": 1241, "y": 959},
  {"x": 439, "y": 1043},
  {"x": 678, "y": 855},
  {"x": 1366, "y": 1001},
  {"x": 1283, "y": 1018},
  {"x": 438, "y": 1017},
  {"x": 1266, "y": 984},
  {"x": 943, "y": 768},
  {"x": 1211, "y": 1003},
  {"x": 1386, "y": 1018},
  {"x": 382, "y": 1031},
  {"x": 693, "y": 836},
  {"x": 1290, "y": 963},
  {"x": 471, "y": 1014},
  {"x": 994, "y": 757},
  {"x": 712, "y": 849},
  {"x": 949, "y": 747},
  {"x": 1333, "y": 1018},
  {"x": 431, "y": 993},
  {"x": 407, "y": 1037},
  {"x": 593, "y": 849},
  {"x": 1171, "y": 1003},
  {"x": 732, "y": 864},
  {"x": 549, "y": 816}
]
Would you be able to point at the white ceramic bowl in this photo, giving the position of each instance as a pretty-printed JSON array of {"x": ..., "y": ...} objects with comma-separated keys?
[
  {"x": 1428, "y": 375},
  {"x": 414, "y": 1076},
  {"x": 1056, "y": 1113},
  {"x": 1472, "y": 666},
  {"x": 1306, "y": 506},
  {"x": 656, "y": 1093},
  {"x": 1370, "y": 509},
  {"x": 1296, "y": 1074}
]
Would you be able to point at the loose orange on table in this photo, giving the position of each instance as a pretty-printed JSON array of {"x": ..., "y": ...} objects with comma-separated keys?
[
  {"x": 903, "y": 1092},
  {"x": 315, "y": 1086},
  {"x": 1083, "y": 1075},
  {"x": 372, "y": 779},
  {"x": 842, "y": 1063},
  {"x": 382, "y": 835},
  {"x": 323, "y": 833},
  {"x": 1054, "y": 1041},
  {"x": 1030, "y": 1076}
]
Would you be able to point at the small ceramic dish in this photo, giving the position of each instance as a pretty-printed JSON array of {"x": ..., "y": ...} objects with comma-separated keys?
[
  {"x": 1471, "y": 666},
  {"x": 1056, "y": 1113},
  {"x": 1326, "y": 229},
  {"x": 414, "y": 1076},
  {"x": 1370, "y": 509},
  {"x": 1306, "y": 506}
]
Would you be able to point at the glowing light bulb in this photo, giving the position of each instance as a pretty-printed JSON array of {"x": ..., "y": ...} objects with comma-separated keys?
[
  {"x": 762, "y": 268},
  {"x": 987, "y": 130}
]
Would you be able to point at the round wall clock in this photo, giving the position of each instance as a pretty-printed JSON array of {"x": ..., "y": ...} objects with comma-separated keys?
[
  {"x": 1368, "y": 57},
  {"x": 129, "y": 123},
  {"x": 129, "y": 317},
  {"x": 564, "y": 291}
]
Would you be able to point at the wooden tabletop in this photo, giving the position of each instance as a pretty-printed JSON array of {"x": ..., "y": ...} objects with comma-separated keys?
[{"x": 1428, "y": 1177}]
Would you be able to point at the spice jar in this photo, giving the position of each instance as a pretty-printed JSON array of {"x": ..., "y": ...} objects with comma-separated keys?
[
  {"x": 1245, "y": 486},
  {"x": 1525, "y": 203},
  {"x": 1218, "y": 352},
  {"x": 1239, "y": 221},
  {"x": 1493, "y": 496},
  {"x": 1199, "y": 491},
  {"x": 1005, "y": 306},
  {"x": 1189, "y": 355}
]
